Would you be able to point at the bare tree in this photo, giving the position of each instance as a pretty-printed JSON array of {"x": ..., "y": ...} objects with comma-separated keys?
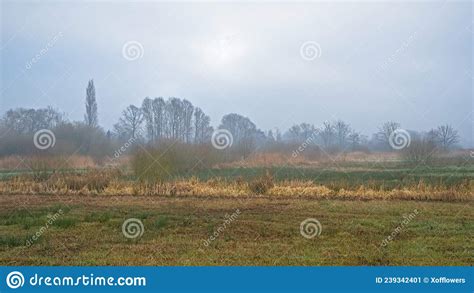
[
  {"x": 446, "y": 136},
  {"x": 327, "y": 134},
  {"x": 175, "y": 119},
  {"x": 386, "y": 130},
  {"x": 294, "y": 134},
  {"x": 420, "y": 150},
  {"x": 91, "y": 118},
  {"x": 173, "y": 116},
  {"x": 301, "y": 132},
  {"x": 307, "y": 130},
  {"x": 159, "y": 117},
  {"x": 202, "y": 128},
  {"x": 149, "y": 118},
  {"x": 245, "y": 133},
  {"x": 354, "y": 139},
  {"x": 187, "y": 117},
  {"x": 278, "y": 138},
  {"x": 26, "y": 121},
  {"x": 342, "y": 131},
  {"x": 270, "y": 137},
  {"x": 130, "y": 122}
]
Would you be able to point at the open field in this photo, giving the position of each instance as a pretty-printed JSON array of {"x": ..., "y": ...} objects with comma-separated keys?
[
  {"x": 370, "y": 214},
  {"x": 239, "y": 133},
  {"x": 266, "y": 232}
]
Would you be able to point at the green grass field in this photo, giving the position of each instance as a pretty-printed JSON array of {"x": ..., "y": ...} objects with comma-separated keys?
[
  {"x": 267, "y": 232},
  {"x": 389, "y": 177}
]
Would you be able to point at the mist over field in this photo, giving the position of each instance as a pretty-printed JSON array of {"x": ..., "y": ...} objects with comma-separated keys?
[{"x": 236, "y": 134}]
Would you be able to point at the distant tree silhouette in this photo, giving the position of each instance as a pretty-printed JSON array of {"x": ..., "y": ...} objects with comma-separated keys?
[
  {"x": 130, "y": 123},
  {"x": 386, "y": 130},
  {"x": 91, "y": 117},
  {"x": 446, "y": 136}
]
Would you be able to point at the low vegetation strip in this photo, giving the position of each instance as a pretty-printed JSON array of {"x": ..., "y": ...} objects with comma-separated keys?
[
  {"x": 110, "y": 183},
  {"x": 174, "y": 231}
]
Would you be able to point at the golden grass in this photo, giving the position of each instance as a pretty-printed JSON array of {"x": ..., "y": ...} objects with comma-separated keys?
[{"x": 107, "y": 183}]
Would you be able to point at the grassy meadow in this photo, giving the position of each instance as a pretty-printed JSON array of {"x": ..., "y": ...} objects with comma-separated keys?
[
  {"x": 378, "y": 213},
  {"x": 267, "y": 232}
]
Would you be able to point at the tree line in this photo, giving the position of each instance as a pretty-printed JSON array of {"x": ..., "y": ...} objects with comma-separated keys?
[{"x": 174, "y": 119}]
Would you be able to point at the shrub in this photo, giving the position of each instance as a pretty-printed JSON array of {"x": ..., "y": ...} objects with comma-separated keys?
[
  {"x": 74, "y": 182},
  {"x": 42, "y": 167},
  {"x": 261, "y": 185},
  {"x": 420, "y": 150},
  {"x": 93, "y": 180},
  {"x": 169, "y": 160}
]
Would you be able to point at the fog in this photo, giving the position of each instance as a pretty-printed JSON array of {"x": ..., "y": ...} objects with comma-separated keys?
[{"x": 406, "y": 62}]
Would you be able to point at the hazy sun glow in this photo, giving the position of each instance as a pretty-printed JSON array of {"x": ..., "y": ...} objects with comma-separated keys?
[{"x": 223, "y": 51}]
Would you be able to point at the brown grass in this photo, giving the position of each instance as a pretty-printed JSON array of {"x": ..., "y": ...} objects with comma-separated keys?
[
  {"x": 269, "y": 159},
  {"x": 51, "y": 163},
  {"x": 109, "y": 183},
  {"x": 262, "y": 185}
]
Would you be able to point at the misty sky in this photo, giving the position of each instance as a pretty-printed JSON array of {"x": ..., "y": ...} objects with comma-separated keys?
[{"x": 408, "y": 62}]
